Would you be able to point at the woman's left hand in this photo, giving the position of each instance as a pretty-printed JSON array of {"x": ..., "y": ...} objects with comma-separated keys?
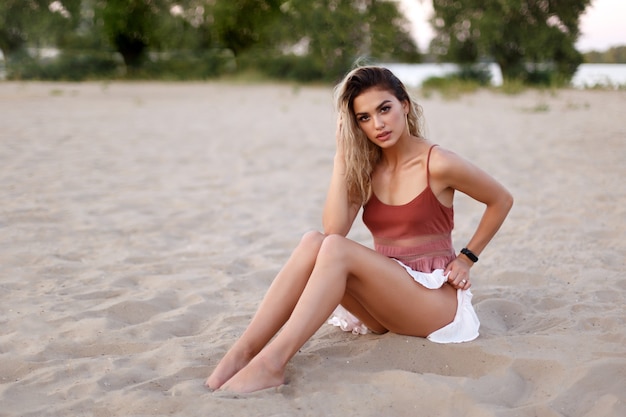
[{"x": 458, "y": 274}]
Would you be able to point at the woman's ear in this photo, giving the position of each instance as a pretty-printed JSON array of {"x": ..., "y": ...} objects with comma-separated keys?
[{"x": 406, "y": 106}]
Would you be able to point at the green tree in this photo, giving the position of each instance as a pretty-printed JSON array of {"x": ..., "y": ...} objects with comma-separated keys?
[
  {"x": 133, "y": 27},
  {"x": 317, "y": 38},
  {"x": 179, "y": 28},
  {"x": 239, "y": 25},
  {"x": 614, "y": 55},
  {"x": 331, "y": 34},
  {"x": 28, "y": 26},
  {"x": 66, "y": 17},
  {"x": 34, "y": 23},
  {"x": 389, "y": 33},
  {"x": 520, "y": 35},
  {"x": 130, "y": 26},
  {"x": 15, "y": 18}
]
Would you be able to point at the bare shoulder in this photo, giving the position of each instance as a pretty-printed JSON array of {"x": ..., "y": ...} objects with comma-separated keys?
[
  {"x": 449, "y": 170},
  {"x": 444, "y": 162}
]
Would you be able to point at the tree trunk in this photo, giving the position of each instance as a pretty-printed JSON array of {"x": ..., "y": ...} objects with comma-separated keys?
[{"x": 131, "y": 49}]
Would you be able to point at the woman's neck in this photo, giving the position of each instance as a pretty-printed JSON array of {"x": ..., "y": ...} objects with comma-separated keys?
[{"x": 406, "y": 149}]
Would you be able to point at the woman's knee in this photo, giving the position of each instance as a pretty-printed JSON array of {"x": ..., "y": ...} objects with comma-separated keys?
[
  {"x": 331, "y": 248},
  {"x": 334, "y": 247},
  {"x": 311, "y": 240}
]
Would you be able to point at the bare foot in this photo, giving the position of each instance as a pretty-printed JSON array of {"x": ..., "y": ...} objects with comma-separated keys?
[
  {"x": 259, "y": 374},
  {"x": 230, "y": 364}
]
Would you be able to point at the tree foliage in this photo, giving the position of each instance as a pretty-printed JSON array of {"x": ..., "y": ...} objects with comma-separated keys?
[
  {"x": 614, "y": 55},
  {"x": 25, "y": 23},
  {"x": 389, "y": 33},
  {"x": 332, "y": 34},
  {"x": 241, "y": 24},
  {"x": 131, "y": 26},
  {"x": 514, "y": 33},
  {"x": 305, "y": 39}
]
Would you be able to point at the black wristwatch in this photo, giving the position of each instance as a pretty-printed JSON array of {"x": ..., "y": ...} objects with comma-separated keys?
[{"x": 469, "y": 254}]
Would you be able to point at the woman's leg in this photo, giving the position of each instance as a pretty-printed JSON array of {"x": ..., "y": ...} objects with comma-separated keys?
[
  {"x": 356, "y": 309},
  {"x": 378, "y": 283},
  {"x": 274, "y": 310}
]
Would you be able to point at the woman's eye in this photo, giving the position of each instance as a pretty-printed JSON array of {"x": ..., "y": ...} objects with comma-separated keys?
[
  {"x": 385, "y": 109},
  {"x": 363, "y": 118}
]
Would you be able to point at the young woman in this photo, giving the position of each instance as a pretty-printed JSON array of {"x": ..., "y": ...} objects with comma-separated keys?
[{"x": 413, "y": 283}]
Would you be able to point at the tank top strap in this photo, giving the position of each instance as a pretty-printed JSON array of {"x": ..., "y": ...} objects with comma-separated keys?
[{"x": 428, "y": 165}]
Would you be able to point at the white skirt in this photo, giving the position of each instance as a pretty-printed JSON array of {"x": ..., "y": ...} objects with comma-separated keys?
[{"x": 463, "y": 328}]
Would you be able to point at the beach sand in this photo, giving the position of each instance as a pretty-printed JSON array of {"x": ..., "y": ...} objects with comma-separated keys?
[{"x": 141, "y": 223}]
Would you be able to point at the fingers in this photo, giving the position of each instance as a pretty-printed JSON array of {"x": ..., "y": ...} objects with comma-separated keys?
[
  {"x": 464, "y": 284},
  {"x": 458, "y": 275},
  {"x": 338, "y": 137},
  {"x": 461, "y": 284}
]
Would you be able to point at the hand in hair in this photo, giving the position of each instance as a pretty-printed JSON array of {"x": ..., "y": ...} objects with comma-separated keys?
[{"x": 338, "y": 134}]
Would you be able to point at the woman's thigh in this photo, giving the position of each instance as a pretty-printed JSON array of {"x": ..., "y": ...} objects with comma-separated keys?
[{"x": 387, "y": 292}]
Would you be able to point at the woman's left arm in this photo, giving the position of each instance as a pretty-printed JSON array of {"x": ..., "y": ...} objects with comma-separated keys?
[{"x": 452, "y": 171}]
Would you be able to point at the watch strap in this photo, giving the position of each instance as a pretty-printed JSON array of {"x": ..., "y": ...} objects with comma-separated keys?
[{"x": 472, "y": 257}]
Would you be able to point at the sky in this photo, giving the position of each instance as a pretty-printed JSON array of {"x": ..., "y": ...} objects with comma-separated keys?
[{"x": 602, "y": 24}]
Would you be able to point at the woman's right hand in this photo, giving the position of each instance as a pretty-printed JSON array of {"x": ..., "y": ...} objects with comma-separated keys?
[
  {"x": 338, "y": 137},
  {"x": 339, "y": 213}
]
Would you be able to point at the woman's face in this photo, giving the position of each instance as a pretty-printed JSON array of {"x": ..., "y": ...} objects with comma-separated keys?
[{"x": 381, "y": 116}]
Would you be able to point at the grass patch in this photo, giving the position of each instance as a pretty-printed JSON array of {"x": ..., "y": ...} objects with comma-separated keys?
[
  {"x": 577, "y": 106},
  {"x": 513, "y": 87},
  {"x": 450, "y": 87},
  {"x": 468, "y": 79},
  {"x": 540, "y": 108}
]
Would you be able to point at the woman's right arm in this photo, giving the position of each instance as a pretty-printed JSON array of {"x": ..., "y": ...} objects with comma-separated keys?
[{"x": 339, "y": 213}]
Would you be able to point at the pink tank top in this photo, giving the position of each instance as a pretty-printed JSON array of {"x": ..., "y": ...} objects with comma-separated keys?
[{"x": 417, "y": 233}]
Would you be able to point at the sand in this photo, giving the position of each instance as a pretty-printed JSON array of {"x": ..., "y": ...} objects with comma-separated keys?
[{"x": 141, "y": 223}]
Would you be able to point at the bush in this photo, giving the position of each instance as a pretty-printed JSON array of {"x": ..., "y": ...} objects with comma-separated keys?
[
  {"x": 73, "y": 65},
  {"x": 283, "y": 67},
  {"x": 478, "y": 74},
  {"x": 186, "y": 65},
  {"x": 449, "y": 87},
  {"x": 546, "y": 77},
  {"x": 467, "y": 80},
  {"x": 68, "y": 66}
]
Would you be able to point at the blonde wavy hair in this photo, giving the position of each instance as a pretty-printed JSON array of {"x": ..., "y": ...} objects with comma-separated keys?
[{"x": 361, "y": 155}]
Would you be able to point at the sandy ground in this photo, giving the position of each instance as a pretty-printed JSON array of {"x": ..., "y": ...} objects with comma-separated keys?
[{"x": 141, "y": 223}]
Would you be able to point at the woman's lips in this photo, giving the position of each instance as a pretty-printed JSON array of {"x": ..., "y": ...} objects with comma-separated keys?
[{"x": 383, "y": 136}]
